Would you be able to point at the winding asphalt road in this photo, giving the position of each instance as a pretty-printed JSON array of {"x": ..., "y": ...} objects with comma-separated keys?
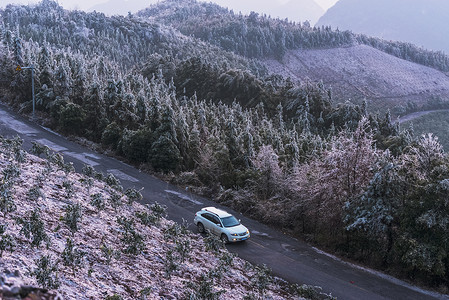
[{"x": 289, "y": 258}]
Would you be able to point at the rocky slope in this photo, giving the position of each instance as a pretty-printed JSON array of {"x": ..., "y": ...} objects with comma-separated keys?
[{"x": 107, "y": 250}]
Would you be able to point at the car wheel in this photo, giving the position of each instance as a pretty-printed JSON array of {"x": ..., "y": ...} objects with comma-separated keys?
[
  {"x": 224, "y": 238},
  {"x": 200, "y": 227}
]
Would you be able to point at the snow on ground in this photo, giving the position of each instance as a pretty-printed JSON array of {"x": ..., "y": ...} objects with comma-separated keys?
[
  {"x": 359, "y": 72},
  {"x": 126, "y": 275}
]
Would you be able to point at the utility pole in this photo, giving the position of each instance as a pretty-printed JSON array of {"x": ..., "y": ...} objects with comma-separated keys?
[{"x": 19, "y": 68}]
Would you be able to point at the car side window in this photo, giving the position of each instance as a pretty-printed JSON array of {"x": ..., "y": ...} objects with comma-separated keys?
[
  {"x": 215, "y": 220},
  {"x": 207, "y": 217}
]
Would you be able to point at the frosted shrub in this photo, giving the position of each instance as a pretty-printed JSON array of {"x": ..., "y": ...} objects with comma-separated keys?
[
  {"x": 73, "y": 214},
  {"x": 174, "y": 231},
  {"x": 145, "y": 292},
  {"x": 33, "y": 227},
  {"x": 11, "y": 172},
  {"x": 113, "y": 182},
  {"x": 146, "y": 218},
  {"x": 115, "y": 199},
  {"x": 183, "y": 248},
  {"x": 97, "y": 201},
  {"x": 170, "y": 263},
  {"x": 213, "y": 243},
  {"x": 250, "y": 296},
  {"x": 45, "y": 272},
  {"x": 68, "y": 168},
  {"x": 158, "y": 210},
  {"x": 88, "y": 182},
  {"x": 133, "y": 195},
  {"x": 69, "y": 191},
  {"x": 109, "y": 253},
  {"x": 7, "y": 242},
  {"x": 227, "y": 258},
  {"x": 38, "y": 149},
  {"x": 20, "y": 155},
  {"x": 154, "y": 216},
  {"x": 310, "y": 292},
  {"x": 132, "y": 240},
  {"x": 35, "y": 193},
  {"x": 99, "y": 176},
  {"x": 71, "y": 256},
  {"x": 262, "y": 278},
  {"x": 88, "y": 170},
  {"x": 7, "y": 203},
  {"x": 57, "y": 159},
  {"x": 202, "y": 290}
]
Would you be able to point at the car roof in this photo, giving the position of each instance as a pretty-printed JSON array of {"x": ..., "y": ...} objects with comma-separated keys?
[{"x": 219, "y": 212}]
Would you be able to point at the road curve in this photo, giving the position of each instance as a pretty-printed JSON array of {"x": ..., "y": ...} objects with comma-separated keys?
[
  {"x": 415, "y": 115},
  {"x": 289, "y": 258}
]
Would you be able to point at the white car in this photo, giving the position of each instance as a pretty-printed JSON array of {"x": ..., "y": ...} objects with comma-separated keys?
[{"x": 222, "y": 224}]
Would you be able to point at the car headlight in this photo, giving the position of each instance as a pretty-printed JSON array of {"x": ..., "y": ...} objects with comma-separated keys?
[
  {"x": 247, "y": 231},
  {"x": 234, "y": 234}
]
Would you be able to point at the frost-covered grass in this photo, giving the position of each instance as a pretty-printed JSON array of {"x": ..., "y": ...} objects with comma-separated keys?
[{"x": 102, "y": 251}]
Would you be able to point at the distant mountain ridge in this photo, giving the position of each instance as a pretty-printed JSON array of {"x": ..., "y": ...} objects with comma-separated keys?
[
  {"x": 422, "y": 22},
  {"x": 356, "y": 67},
  {"x": 294, "y": 10},
  {"x": 121, "y": 7}
]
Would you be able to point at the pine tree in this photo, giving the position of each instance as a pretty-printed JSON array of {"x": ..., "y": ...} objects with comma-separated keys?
[{"x": 164, "y": 154}]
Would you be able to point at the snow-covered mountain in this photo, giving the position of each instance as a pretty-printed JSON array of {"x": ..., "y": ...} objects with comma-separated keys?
[
  {"x": 121, "y": 7},
  {"x": 295, "y": 10},
  {"x": 422, "y": 22}
]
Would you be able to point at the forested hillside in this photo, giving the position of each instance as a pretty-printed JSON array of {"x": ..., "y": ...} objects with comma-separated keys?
[
  {"x": 262, "y": 36},
  {"x": 277, "y": 150}
]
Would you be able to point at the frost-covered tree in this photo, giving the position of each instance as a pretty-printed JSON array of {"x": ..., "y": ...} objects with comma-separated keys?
[
  {"x": 270, "y": 177},
  {"x": 322, "y": 186}
]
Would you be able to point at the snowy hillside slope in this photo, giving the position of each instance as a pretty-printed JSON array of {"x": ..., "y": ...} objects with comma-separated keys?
[
  {"x": 106, "y": 251},
  {"x": 360, "y": 72}
]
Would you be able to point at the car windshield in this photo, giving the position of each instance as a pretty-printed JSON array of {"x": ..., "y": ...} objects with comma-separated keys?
[{"x": 230, "y": 221}]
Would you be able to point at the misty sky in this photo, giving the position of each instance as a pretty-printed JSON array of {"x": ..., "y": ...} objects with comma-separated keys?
[{"x": 86, "y": 4}]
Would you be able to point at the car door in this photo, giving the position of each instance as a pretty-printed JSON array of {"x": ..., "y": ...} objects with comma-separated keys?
[
  {"x": 209, "y": 225},
  {"x": 217, "y": 227}
]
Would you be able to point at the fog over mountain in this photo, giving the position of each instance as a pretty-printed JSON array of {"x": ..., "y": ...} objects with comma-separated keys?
[{"x": 422, "y": 22}]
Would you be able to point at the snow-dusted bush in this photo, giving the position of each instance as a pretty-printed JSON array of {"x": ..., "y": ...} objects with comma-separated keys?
[
  {"x": 33, "y": 227},
  {"x": 133, "y": 195},
  {"x": 38, "y": 149},
  {"x": 97, "y": 201},
  {"x": 202, "y": 290},
  {"x": 113, "y": 182},
  {"x": 46, "y": 272},
  {"x": 72, "y": 256},
  {"x": 115, "y": 199},
  {"x": 133, "y": 242},
  {"x": 72, "y": 216},
  {"x": 35, "y": 193},
  {"x": 68, "y": 188},
  {"x": 7, "y": 203},
  {"x": 213, "y": 243},
  {"x": 7, "y": 242}
]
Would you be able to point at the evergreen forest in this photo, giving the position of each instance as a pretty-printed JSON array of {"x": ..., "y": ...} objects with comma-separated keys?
[{"x": 178, "y": 90}]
